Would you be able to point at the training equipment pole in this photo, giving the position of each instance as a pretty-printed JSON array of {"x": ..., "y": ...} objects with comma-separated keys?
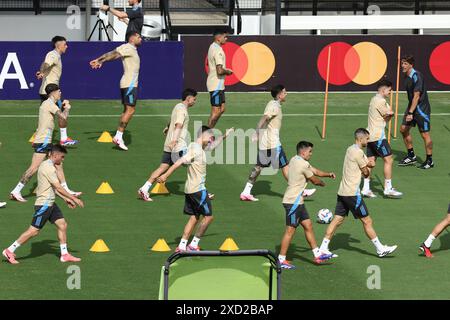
[
  {"x": 325, "y": 105},
  {"x": 396, "y": 92}
]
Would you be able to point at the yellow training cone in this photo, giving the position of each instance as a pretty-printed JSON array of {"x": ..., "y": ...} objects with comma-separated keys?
[
  {"x": 161, "y": 246},
  {"x": 104, "y": 188},
  {"x": 105, "y": 137},
  {"x": 160, "y": 188},
  {"x": 229, "y": 245},
  {"x": 99, "y": 246},
  {"x": 32, "y": 138}
]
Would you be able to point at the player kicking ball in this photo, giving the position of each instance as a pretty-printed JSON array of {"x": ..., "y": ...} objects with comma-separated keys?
[
  {"x": 300, "y": 173},
  {"x": 349, "y": 196},
  {"x": 379, "y": 113},
  {"x": 46, "y": 209},
  {"x": 197, "y": 202},
  {"x": 425, "y": 247}
]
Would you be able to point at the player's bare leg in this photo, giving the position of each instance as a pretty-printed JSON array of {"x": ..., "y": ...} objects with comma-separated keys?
[
  {"x": 9, "y": 253},
  {"x": 311, "y": 239},
  {"x": 65, "y": 140},
  {"x": 428, "y": 149},
  {"x": 36, "y": 161},
  {"x": 216, "y": 113},
  {"x": 329, "y": 233},
  {"x": 366, "y": 191},
  {"x": 188, "y": 229},
  {"x": 143, "y": 191},
  {"x": 382, "y": 250},
  {"x": 204, "y": 224},
  {"x": 61, "y": 226},
  {"x": 125, "y": 118},
  {"x": 246, "y": 194},
  {"x": 285, "y": 243},
  {"x": 437, "y": 230},
  {"x": 408, "y": 141}
]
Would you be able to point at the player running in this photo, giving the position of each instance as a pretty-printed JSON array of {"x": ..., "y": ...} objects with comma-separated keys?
[
  {"x": 349, "y": 197},
  {"x": 197, "y": 202},
  {"x": 379, "y": 113},
  {"x": 45, "y": 207},
  {"x": 270, "y": 151},
  {"x": 426, "y": 245},
  {"x": 418, "y": 112},
  {"x": 175, "y": 145},
  {"x": 300, "y": 172},
  {"x": 43, "y": 140},
  {"x": 129, "y": 81},
  {"x": 50, "y": 72},
  {"x": 216, "y": 76}
]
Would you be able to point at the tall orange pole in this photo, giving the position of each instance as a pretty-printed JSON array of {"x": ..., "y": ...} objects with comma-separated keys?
[
  {"x": 325, "y": 104},
  {"x": 390, "y": 121},
  {"x": 396, "y": 93}
]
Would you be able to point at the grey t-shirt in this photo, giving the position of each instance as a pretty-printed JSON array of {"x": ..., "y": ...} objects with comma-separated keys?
[{"x": 135, "y": 19}]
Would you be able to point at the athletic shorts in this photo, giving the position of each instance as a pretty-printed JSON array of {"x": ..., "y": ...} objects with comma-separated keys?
[
  {"x": 42, "y": 147},
  {"x": 272, "y": 157},
  {"x": 196, "y": 204},
  {"x": 42, "y": 214},
  {"x": 420, "y": 118},
  {"x": 295, "y": 214},
  {"x": 379, "y": 149},
  {"x": 217, "y": 98},
  {"x": 58, "y": 103},
  {"x": 129, "y": 96},
  {"x": 171, "y": 157},
  {"x": 355, "y": 204}
]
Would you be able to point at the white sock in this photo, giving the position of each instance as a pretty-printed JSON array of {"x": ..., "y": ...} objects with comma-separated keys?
[
  {"x": 387, "y": 184},
  {"x": 281, "y": 258},
  {"x": 14, "y": 246},
  {"x": 248, "y": 188},
  {"x": 183, "y": 244},
  {"x": 118, "y": 135},
  {"x": 194, "y": 242},
  {"x": 429, "y": 241},
  {"x": 18, "y": 188},
  {"x": 147, "y": 185},
  {"x": 378, "y": 245},
  {"x": 324, "y": 245},
  {"x": 63, "y": 132},
  {"x": 316, "y": 252},
  {"x": 63, "y": 247},
  {"x": 366, "y": 186}
]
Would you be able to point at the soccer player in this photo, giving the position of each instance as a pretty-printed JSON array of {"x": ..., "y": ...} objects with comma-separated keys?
[
  {"x": 216, "y": 76},
  {"x": 197, "y": 202},
  {"x": 50, "y": 72},
  {"x": 300, "y": 172},
  {"x": 45, "y": 207},
  {"x": 417, "y": 113},
  {"x": 270, "y": 151},
  {"x": 129, "y": 82},
  {"x": 349, "y": 196},
  {"x": 379, "y": 113},
  {"x": 133, "y": 17},
  {"x": 175, "y": 145},
  {"x": 43, "y": 140},
  {"x": 426, "y": 245}
]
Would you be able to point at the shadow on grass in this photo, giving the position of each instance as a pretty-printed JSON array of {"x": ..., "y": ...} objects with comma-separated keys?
[
  {"x": 445, "y": 241},
  {"x": 344, "y": 240},
  {"x": 399, "y": 155},
  {"x": 44, "y": 247},
  {"x": 174, "y": 187},
  {"x": 263, "y": 187}
]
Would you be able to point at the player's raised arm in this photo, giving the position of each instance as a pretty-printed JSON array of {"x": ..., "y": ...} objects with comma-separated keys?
[
  {"x": 109, "y": 56},
  {"x": 219, "y": 140}
]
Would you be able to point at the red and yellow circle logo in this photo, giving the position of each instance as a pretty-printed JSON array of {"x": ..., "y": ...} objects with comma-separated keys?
[
  {"x": 363, "y": 63},
  {"x": 440, "y": 63},
  {"x": 253, "y": 63}
]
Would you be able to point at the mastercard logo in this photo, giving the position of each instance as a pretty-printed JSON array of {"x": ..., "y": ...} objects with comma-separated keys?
[
  {"x": 253, "y": 63},
  {"x": 363, "y": 63},
  {"x": 440, "y": 63}
]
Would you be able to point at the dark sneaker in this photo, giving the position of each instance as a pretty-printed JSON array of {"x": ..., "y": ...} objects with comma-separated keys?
[
  {"x": 407, "y": 161},
  {"x": 426, "y": 165}
]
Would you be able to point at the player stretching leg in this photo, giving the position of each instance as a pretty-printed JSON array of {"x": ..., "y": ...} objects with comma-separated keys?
[
  {"x": 349, "y": 197},
  {"x": 300, "y": 172},
  {"x": 129, "y": 81},
  {"x": 426, "y": 245}
]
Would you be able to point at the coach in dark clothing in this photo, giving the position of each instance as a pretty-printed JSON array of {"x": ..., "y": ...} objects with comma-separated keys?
[{"x": 134, "y": 17}]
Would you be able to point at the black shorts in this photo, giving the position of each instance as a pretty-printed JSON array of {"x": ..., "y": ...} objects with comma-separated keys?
[
  {"x": 129, "y": 96},
  {"x": 42, "y": 214},
  {"x": 295, "y": 214},
  {"x": 196, "y": 204},
  {"x": 171, "y": 157},
  {"x": 379, "y": 149},
  {"x": 272, "y": 157},
  {"x": 42, "y": 147},
  {"x": 420, "y": 118},
  {"x": 355, "y": 204},
  {"x": 217, "y": 98},
  {"x": 58, "y": 103}
]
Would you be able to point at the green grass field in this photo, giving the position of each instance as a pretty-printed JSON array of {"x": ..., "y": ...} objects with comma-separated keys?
[{"x": 130, "y": 227}]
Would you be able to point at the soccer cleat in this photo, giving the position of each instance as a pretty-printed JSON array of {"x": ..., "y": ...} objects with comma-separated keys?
[
  {"x": 144, "y": 195},
  {"x": 322, "y": 258},
  {"x": 407, "y": 161},
  {"x": 287, "y": 265},
  {"x": 308, "y": 192},
  {"x": 425, "y": 250},
  {"x": 392, "y": 193},
  {"x": 2, "y": 204},
  {"x": 426, "y": 165},
  {"x": 191, "y": 248},
  {"x": 248, "y": 197},
  {"x": 17, "y": 196},
  {"x": 120, "y": 144},
  {"x": 368, "y": 194},
  {"x": 11, "y": 257},
  {"x": 69, "y": 258},
  {"x": 328, "y": 252},
  {"x": 178, "y": 250},
  {"x": 386, "y": 250},
  {"x": 68, "y": 142}
]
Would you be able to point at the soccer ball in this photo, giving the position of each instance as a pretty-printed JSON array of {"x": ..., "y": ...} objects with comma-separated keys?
[{"x": 324, "y": 216}]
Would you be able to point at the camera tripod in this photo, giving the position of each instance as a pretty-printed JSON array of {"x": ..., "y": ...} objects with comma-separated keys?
[{"x": 101, "y": 26}]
